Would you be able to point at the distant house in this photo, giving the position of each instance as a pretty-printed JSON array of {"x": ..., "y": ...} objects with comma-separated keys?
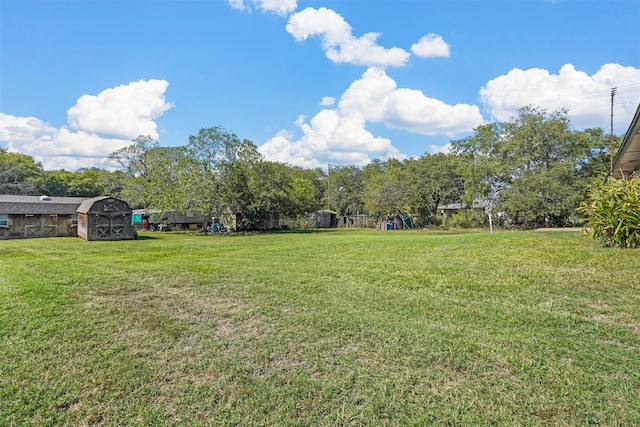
[
  {"x": 105, "y": 218},
  {"x": 627, "y": 159},
  {"x": 38, "y": 216}
]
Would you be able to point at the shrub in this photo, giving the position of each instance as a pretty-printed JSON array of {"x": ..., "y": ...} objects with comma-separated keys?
[
  {"x": 467, "y": 218},
  {"x": 613, "y": 212}
]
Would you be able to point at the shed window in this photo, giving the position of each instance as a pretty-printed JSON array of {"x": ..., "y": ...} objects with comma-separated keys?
[
  {"x": 74, "y": 220},
  {"x": 4, "y": 220}
]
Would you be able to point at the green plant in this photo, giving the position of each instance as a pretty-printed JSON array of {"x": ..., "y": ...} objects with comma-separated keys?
[
  {"x": 613, "y": 212},
  {"x": 467, "y": 218}
]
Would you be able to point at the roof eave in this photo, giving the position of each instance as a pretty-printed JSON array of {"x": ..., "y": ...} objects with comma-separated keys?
[{"x": 627, "y": 159}]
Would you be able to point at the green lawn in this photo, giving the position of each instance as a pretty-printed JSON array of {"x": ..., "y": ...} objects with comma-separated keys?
[{"x": 327, "y": 328}]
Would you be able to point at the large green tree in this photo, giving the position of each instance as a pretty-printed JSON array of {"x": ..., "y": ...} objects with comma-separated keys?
[
  {"x": 386, "y": 187},
  {"x": 168, "y": 186},
  {"x": 434, "y": 180},
  {"x": 304, "y": 191},
  {"x": 345, "y": 185},
  {"x": 136, "y": 162},
  {"x": 17, "y": 172},
  {"x": 255, "y": 188},
  {"x": 209, "y": 151},
  {"x": 235, "y": 189},
  {"x": 535, "y": 168},
  {"x": 270, "y": 184},
  {"x": 81, "y": 183}
]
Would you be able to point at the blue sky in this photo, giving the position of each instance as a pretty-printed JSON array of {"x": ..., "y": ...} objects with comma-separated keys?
[{"x": 309, "y": 82}]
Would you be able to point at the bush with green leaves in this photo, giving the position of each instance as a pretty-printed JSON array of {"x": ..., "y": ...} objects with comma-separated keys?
[
  {"x": 612, "y": 212},
  {"x": 467, "y": 218}
]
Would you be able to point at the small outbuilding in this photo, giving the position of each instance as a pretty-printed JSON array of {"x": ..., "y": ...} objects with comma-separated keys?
[
  {"x": 105, "y": 218},
  {"x": 326, "y": 219},
  {"x": 38, "y": 216}
]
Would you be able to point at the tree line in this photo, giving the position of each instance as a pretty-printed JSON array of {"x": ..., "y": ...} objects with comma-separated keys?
[{"x": 531, "y": 171}]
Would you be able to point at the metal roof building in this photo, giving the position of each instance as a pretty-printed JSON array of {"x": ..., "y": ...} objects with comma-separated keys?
[{"x": 39, "y": 205}]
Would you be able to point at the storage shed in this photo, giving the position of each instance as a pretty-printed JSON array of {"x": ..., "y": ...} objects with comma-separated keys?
[
  {"x": 38, "y": 216},
  {"x": 105, "y": 218},
  {"x": 326, "y": 219}
]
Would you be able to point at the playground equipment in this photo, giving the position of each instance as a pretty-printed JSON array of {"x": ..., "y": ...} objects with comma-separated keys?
[{"x": 407, "y": 221}]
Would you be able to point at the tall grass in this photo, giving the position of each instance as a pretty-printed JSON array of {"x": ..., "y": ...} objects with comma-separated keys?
[{"x": 327, "y": 328}]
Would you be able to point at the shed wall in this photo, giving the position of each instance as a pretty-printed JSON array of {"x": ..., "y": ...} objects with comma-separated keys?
[
  {"x": 106, "y": 219},
  {"x": 33, "y": 226},
  {"x": 326, "y": 220}
]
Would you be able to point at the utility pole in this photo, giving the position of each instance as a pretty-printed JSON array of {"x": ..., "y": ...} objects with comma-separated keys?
[
  {"x": 328, "y": 186},
  {"x": 613, "y": 94}
]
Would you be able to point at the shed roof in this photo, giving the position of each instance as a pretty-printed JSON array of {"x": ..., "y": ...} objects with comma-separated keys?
[
  {"x": 87, "y": 204},
  {"x": 39, "y": 205},
  {"x": 628, "y": 157}
]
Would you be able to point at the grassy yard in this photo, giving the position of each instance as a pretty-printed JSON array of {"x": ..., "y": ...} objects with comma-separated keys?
[{"x": 327, "y": 328}]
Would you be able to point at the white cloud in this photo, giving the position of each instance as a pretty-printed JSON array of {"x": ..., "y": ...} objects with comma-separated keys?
[
  {"x": 23, "y": 129},
  {"x": 281, "y": 149},
  {"x": 70, "y": 150},
  {"x": 300, "y": 120},
  {"x": 376, "y": 95},
  {"x": 411, "y": 110},
  {"x": 431, "y": 45},
  {"x": 338, "y": 42},
  {"x": 98, "y": 125},
  {"x": 340, "y": 135},
  {"x": 440, "y": 148},
  {"x": 329, "y": 138},
  {"x": 327, "y": 101},
  {"x": 279, "y": 7},
  {"x": 586, "y": 97},
  {"x": 239, "y": 5},
  {"x": 126, "y": 111}
]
